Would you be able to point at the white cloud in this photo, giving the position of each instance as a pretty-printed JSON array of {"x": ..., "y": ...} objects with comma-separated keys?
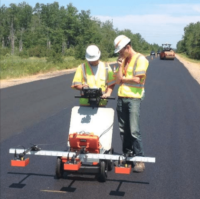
[
  {"x": 166, "y": 22},
  {"x": 149, "y": 19},
  {"x": 197, "y": 8},
  {"x": 179, "y": 8},
  {"x": 154, "y": 28}
]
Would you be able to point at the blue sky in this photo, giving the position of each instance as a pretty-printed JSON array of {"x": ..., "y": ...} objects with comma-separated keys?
[{"x": 157, "y": 21}]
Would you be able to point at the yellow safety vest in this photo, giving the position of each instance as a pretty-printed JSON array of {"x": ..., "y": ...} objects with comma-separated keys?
[
  {"x": 99, "y": 82},
  {"x": 136, "y": 67}
]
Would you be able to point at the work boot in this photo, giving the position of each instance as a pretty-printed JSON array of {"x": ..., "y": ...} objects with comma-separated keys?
[{"x": 139, "y": 167}]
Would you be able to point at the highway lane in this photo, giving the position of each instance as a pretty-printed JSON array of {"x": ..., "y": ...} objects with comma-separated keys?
[
  {"x": 39, "y": 113},
  {"x": 29, "y": 103}
]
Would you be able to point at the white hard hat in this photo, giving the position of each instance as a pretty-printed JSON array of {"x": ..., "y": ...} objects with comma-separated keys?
[
  {"x": 120, "y": 42},
  {"x": 92, "y": 53}
]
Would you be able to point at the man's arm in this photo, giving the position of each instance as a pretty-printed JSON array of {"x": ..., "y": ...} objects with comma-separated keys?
[
  {"x": 78, "y": 81},
  {"x": 80, "y": 86},
  {"x": 132, "y": 80},
  {"x": 108, "y": 91},
  {"x": 142, "y": 62},
  {"x": 119, "y": 75},
  {"x": 122, "y": 79}
]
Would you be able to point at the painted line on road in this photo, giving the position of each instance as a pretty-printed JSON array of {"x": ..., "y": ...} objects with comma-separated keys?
[{"x": 53, "y": 191}]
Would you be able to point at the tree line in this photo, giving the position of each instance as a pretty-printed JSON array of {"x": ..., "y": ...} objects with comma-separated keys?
[
  {"x": 190, "y": 44},
  {"x": 53, "y": 31}
]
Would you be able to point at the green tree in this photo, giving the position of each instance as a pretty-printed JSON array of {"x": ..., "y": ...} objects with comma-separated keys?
[
  {"x": 190, "y": 44},
  {"x": 108, "y": 35},
  {"x": 71, "y": 26},
  {"x": 88, "y": 33},
  {"x": 4, "y": 26},
  {"x": 12, "y": 13},
  {"x": 52, "y": 31},
  {"x": 24, "y": 17}
]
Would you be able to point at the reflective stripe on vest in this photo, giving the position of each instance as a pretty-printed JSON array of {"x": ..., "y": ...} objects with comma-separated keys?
[
  {"x": 135, "y": 64},
  {"x": 84, "y": 74},
  {"x": 132, "y": 90},
  {"x": 134, "y": 85},
  {"x": 106, "y": 72}
]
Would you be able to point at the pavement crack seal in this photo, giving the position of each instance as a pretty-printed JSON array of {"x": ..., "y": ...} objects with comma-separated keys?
[
  {"x": 53, "y": 191},
  {"x": 63, "y": 189}
]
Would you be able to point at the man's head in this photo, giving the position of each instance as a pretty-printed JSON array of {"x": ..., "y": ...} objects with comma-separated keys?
[
  {"x": 92, "y": 54},
  {"x": 122, "y": 45}
]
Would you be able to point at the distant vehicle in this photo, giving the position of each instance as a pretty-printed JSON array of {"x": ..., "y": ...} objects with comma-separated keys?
[
  {"x": 152, "y": 53},
  {"x": 167, "y": 52},
  {"x": 158, "y": 52}
]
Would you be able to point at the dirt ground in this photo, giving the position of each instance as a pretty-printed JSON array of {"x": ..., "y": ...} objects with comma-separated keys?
[{"x": 193, "y": 68}]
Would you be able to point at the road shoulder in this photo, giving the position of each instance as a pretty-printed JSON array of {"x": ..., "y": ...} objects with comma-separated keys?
[
  {"x": 13, "y": 82},
  {"x": 193, "y": 68}
]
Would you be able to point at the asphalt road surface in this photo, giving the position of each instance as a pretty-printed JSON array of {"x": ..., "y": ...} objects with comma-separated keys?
[{"x": 39, "y": 113}]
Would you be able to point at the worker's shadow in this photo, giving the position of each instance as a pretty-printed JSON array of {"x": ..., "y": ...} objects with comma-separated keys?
[{"x": 87, "y": 112}]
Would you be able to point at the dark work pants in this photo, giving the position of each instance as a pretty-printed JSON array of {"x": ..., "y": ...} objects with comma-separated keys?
[{"x": 128, "y": 113}]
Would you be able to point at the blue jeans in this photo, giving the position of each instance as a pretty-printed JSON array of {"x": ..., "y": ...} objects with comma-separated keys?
[{"x": 128, "y": 113}]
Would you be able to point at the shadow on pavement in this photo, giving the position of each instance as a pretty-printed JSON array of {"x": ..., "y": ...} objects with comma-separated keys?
[{"x": 71, "y": 189}]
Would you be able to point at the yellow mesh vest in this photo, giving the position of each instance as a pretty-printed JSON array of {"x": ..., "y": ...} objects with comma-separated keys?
[
  {"x": 133, "y": 90},
  {"x": 100, "y": 82}
]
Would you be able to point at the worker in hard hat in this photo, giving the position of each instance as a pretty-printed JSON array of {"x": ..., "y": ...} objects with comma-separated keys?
[
  {"x": 94, "y": 74},
  {"x": 131, "y": 78}
]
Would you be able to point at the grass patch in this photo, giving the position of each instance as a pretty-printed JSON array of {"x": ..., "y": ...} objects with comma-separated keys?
[
  {"x": 112, "y": 59},
  {"x": 184, "y": 56},
  {"x": 15, "y": 67}
]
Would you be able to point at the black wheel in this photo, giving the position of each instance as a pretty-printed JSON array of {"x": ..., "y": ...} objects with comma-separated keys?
[
  {"x": 102, "y": 177},
  {"x": 110, "y": 163},
  {"x": 59, "y": 168}
]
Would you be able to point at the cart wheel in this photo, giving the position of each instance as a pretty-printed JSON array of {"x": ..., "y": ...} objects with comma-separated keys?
[
  {"x": 102, "y": 175},
  {"x": 110, "y": 163},
  {"x": 59, "y": 168}
]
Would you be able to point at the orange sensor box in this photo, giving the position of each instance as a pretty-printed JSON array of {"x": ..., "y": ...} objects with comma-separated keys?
[
  {"x": 20, "y": 163},
  {"x": 89, "y": 141}
]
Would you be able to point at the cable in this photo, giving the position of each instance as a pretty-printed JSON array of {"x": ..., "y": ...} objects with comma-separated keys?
[{"x": 106, "y": 130}]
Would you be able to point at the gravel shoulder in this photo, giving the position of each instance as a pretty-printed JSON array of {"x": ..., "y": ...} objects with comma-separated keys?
[
  {"x": 13, "y": 82},
  {"x": 193, "y": 68}
]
